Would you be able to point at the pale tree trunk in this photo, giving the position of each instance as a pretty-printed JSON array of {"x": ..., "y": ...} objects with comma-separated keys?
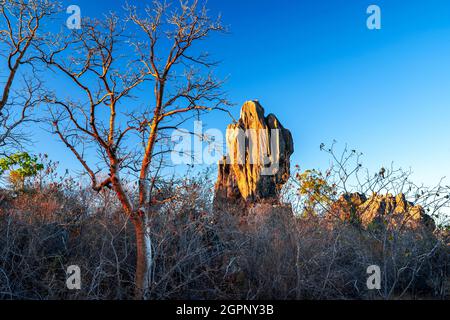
[
  {"x": 149, "y": 260},
  {"x": 143, "y": 241},
  {"x": 144, "y": 256}
]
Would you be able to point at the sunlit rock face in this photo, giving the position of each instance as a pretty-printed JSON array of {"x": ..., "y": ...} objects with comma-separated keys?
[
  {"x": 395, "y": 211},
  {"x": 258, "y": 165}
]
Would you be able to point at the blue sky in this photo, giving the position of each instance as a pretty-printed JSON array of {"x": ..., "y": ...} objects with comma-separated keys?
[{"x": 326, "y": 76}]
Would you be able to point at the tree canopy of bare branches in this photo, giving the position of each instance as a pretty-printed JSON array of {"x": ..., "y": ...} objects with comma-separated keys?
[{"x": 21, "y": 38}]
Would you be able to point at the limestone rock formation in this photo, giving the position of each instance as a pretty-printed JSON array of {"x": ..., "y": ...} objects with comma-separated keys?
[
  {"x": 396, "y": 211},
  {"x": 258, "y": 162}
]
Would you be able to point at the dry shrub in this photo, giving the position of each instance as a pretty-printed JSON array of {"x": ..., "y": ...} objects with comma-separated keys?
[{"x": 201, "y": 254}]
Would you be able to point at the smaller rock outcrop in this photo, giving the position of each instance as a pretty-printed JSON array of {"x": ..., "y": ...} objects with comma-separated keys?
[
  {"x": 258, "y": 161},
  {"x": 394, "y": 211}
]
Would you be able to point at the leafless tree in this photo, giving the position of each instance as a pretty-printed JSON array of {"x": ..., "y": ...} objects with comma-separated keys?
[
  {"x": 119, "y": 65},
  {"x": 21, "y": 34}
]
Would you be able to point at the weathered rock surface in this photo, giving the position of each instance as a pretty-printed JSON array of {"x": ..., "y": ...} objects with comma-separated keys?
[
  {"x": 258, "y": 165},
  {"x": 396, "y": 211}
]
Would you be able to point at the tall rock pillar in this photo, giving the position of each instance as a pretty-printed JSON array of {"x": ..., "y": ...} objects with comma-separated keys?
[{"x": 258, "y": 161}]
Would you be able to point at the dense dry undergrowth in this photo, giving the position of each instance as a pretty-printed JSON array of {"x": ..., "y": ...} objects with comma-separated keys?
[{"x": 202, "y": 255}]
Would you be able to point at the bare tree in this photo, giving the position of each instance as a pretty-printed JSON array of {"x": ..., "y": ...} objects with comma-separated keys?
[
  {"x": 21, "y": 25},
  {"x": 116, "y": 64}
]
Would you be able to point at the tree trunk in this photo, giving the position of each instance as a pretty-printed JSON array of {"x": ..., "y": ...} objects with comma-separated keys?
[{"x": 143, "y": 256}]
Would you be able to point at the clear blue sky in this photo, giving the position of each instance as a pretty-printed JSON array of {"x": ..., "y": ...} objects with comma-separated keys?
[{"x": 326, "y": 76}]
